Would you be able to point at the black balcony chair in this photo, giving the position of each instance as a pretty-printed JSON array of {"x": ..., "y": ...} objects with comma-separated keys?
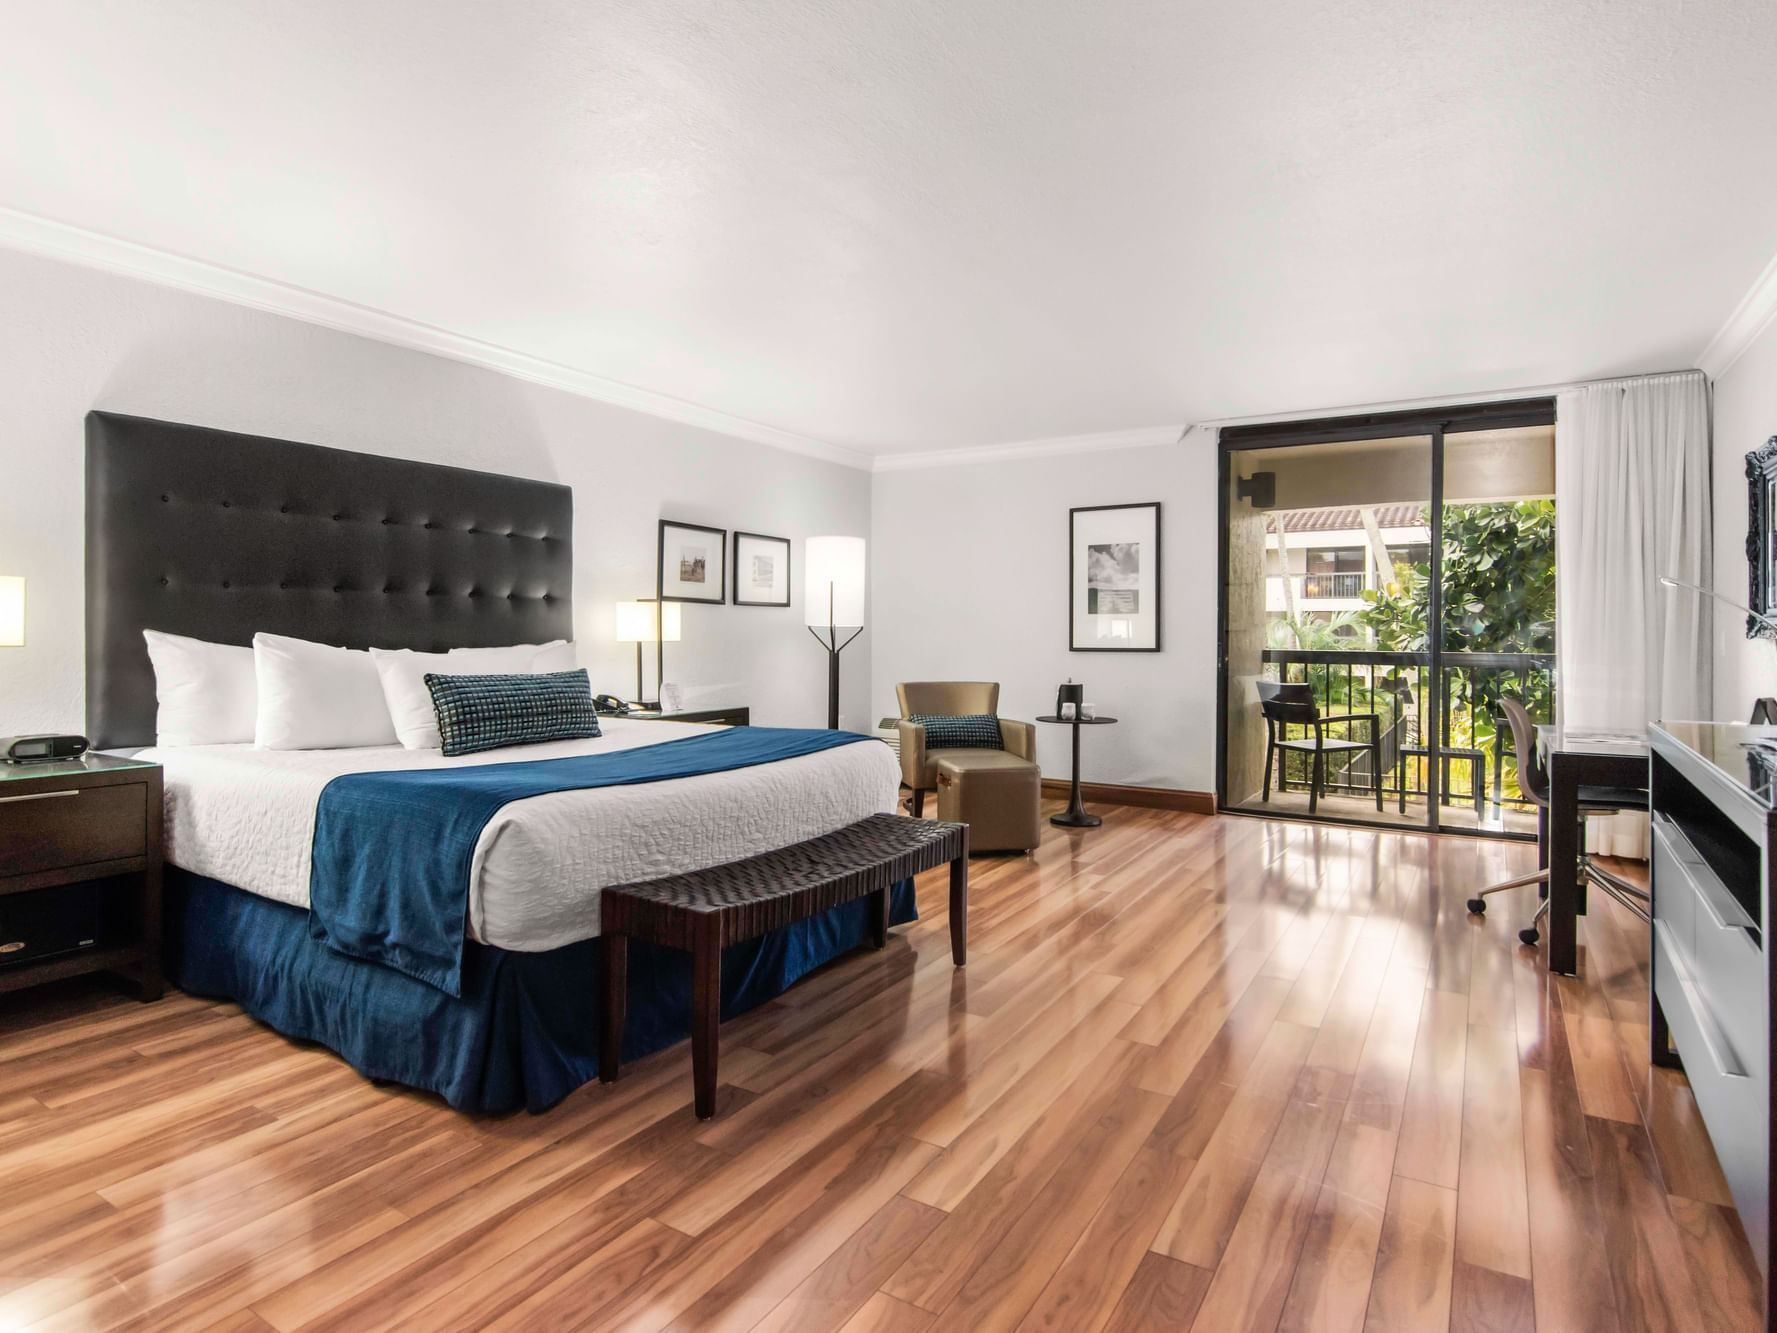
[
  {"x": 1289, "y": 705},
  {"x": 1533, "y": 781}
]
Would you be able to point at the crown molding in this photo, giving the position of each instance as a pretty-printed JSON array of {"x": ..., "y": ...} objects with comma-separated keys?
[
  {"x": 1750, "y": 318},
  {"x": 1144, "y": 437},
  {"x": 77, "y": 245}
]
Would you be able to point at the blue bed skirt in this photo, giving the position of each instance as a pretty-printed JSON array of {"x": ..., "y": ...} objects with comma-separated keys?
[{"x": 525, "y": 1031}]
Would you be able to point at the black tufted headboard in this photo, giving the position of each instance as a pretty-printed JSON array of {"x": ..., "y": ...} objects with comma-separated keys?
[{"x": 218, "y": 536}]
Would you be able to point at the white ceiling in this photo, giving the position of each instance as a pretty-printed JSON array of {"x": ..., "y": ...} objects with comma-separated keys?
[{"x": 923, "y": 224}]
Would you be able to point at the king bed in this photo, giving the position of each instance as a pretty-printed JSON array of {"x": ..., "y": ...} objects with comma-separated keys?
[{"x": 219, "y": 536}]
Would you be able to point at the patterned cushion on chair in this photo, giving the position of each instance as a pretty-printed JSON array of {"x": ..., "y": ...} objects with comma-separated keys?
[
  {"x": 486, "y": 712},
  {"x": 977, "y": 731}
]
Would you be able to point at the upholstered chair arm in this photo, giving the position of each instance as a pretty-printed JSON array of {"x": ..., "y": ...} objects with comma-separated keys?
[
  {"x": 1019, "y": 738},
  {"x": 913, "y": 751}
]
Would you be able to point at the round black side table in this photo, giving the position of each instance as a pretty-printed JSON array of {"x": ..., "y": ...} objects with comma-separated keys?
[{"x": 1076, "y": 814}]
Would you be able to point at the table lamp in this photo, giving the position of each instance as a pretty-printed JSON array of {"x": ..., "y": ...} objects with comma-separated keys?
[
  {"x": 12, "y": 611},
  {"x": 640, "y": 622},
  {"x": 834, "y": 600}
]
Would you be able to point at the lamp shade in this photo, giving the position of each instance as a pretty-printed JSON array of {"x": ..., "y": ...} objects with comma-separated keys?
[
  {"x": 637, "y": 622},
  {"x": 835, "y": 581},
  {"x": 12, "y": 611}
]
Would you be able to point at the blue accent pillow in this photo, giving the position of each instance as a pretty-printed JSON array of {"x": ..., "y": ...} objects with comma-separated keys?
[
  {"x": 486, "y": 712},
  {"x": 974, "y": 731}
]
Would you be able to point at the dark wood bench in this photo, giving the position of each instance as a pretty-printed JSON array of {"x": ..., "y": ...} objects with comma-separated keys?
[{"x": 705, "y": 911}]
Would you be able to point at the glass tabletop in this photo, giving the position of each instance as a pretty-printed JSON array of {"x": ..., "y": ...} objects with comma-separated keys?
[
  {"x": 1553, "y": 739},
  {"x": 62, "y": 768}
]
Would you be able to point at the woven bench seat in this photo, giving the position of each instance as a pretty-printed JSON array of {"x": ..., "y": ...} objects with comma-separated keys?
[{"x": 705, "y": 911}]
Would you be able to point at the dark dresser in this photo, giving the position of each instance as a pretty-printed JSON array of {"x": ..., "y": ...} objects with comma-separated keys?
[
  {"x": 80, "y": 871},
  {"x": 1714, "y": 809}
]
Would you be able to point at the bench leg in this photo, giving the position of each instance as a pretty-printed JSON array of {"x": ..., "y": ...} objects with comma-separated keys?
[
  {"x": 879, "y": 918},
  {"x": 706, "y": 1017},
  {"x": 959, "y": 909},
  {"x": 616, "y": 994}
]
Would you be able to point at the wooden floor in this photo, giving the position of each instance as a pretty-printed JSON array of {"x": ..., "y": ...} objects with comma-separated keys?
[
  {"x": 1210, "y": 1073},
  {"x": 1453, "y": 814}
]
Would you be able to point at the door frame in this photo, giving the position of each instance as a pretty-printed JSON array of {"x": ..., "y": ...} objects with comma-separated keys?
[{"x": 1434, "y": 423}]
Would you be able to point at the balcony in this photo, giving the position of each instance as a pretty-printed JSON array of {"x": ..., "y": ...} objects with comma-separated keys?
[
  {"x": 1315, "y": 592},
  {"x": 1481, "y": 790}
]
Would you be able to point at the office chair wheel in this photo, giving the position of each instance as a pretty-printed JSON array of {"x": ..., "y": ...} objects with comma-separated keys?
[
  {"x": 1478, "y": 906},
  {"x": 1529, "y": 935}
]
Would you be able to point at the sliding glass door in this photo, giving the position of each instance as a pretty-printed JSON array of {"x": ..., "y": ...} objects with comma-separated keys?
[{"x": 1382, "y": 588}]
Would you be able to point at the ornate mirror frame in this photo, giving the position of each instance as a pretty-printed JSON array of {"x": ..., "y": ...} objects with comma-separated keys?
[{"x": 1761, "y": 542}]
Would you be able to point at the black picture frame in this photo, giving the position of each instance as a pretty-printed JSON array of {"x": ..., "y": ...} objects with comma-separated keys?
[
  {"x": 1761, "y": 553},
  {"x": 1073, "y": 643},
  {"x": 734, "y": 567},
  {"x": 720, "y": 583}
]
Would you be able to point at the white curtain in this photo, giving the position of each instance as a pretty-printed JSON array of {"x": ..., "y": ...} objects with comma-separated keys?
[{"x": 1632, "y": 502}]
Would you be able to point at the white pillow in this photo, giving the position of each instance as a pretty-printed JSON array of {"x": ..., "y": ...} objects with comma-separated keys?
[
  {"x": 206, "y": 691},
  {"x": 556, "y": 655},
  {"x": 403, "y": 676},
  {"x": 313, "y": 696}
]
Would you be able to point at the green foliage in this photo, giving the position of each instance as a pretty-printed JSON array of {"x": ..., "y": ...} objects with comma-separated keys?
[
  {"x": 1499, "y": 577},
  {"x": 1395, "y": 613},
  {"x": 1313, "y": 633},
  {"x": 1499, "y": 597},
  {"x": 1499, "y": 584}
]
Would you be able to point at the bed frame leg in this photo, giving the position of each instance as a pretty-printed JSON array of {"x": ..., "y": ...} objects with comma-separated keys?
[
  {"x": 959, "y": 908},
  {"x": 616, "y": 994},
  {"x": 706, "y": 1018}
]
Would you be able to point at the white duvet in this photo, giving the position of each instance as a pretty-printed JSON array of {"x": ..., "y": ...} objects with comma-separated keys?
[{"x": 247, "y": 817}]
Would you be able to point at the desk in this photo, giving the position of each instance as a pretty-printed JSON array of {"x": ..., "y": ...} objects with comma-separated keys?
[{"x": 1575, "y": 759}]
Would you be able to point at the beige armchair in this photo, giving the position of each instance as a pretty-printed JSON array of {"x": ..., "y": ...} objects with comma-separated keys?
[{"x": 952, "y": 698}]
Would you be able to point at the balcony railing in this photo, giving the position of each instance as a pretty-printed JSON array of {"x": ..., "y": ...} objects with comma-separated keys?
[
  {"x": 1396, "y": 687},
  {"x": 1325, "y": 586},
  {"x": 1347, "y": 587}
]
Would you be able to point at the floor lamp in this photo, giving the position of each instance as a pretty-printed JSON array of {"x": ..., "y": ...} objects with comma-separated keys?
[{"x": 834, "y": 600}]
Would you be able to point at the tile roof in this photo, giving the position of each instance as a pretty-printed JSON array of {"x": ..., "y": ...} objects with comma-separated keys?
[{"x": 1348, "y": 520}]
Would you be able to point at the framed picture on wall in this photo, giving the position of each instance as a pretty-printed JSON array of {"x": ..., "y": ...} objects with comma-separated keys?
[
  {"x": 692, "y": 563},
  {"x": 761, "y": 570},
  {"x": 1114, "y": 578}
]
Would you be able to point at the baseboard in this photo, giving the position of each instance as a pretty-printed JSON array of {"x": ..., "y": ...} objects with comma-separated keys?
[{"x": 1154, "y": 798}]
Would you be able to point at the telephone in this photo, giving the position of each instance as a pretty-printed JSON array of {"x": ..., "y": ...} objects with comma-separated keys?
[{"x": 610, "y": 705}]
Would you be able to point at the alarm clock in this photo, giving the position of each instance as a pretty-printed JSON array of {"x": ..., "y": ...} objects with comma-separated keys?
[{"x": 41, "y": 749}]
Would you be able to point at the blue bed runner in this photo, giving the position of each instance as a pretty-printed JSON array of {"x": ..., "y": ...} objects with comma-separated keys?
[{"x": 389, "y": 882}]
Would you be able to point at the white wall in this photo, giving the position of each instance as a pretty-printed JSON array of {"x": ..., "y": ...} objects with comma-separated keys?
[
  {"x": 73, "y": 339},
  {"x": 1745, "y": 417},
  {"x": 969, "y": 580}
]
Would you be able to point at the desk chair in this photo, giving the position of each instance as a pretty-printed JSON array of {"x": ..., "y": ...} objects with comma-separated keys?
[
  {"x": 1533, "y": 780},
  {"x": 1287, "y": 705}
]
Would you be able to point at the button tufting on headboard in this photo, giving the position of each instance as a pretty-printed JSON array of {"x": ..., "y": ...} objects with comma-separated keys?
[{"x": 151, "y": 565}]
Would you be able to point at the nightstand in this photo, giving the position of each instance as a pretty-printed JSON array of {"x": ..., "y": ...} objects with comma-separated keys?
[
  {"x": 80, "y": 871},
  {"x": 738, "y": 716}
]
